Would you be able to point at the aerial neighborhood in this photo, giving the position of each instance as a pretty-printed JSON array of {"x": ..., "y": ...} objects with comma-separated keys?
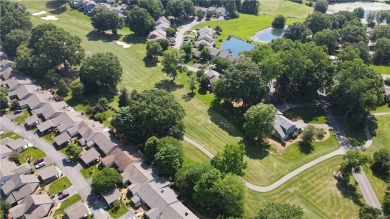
[{"x": 186, "y": 109}]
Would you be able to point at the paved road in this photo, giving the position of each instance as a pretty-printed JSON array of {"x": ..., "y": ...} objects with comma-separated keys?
[
  {"x": 72, "y": 172},
  {"x": 182, "y": 29}
]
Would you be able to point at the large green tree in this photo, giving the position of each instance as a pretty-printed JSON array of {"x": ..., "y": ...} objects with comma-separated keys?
[
  {"x": 231, "y": 160},
  {"x": 103, "y": 19},
  {"x": 188, "y": 177},
  {"x": 353, "y": 34},
  {"x": 279, "y": 22},
  {"x": 368, "y": 212},
  {"x": 280, "y": 211},
  {"x": 180, "y": 8},
  {"x": 382, "y": 51},
  {"x": 77, "y": 89},
  {"x": 124, "y": 98},
  {"x": 168, "y": 158},
  {"x": 139, "y": 21},
  {"x": 381, "y": 31},
  {"x": 4, "y": 208},
  {"x": 73, "y": 150},
  {"x": 321, "y": 6},
  {"x": 153, "y": 50},
  {"x": 101, "y": 70},
  {"x": 381, "y": 163},
  {"x": 151, "y": 113},
  {"x": 356, "y": 87},
  {"x": 297, "y": 31},
  {"x": 154, "y": 7},
  {"x": 259, "y": 121},
  {"x": 353, "y": 162},
  {"x": 386, "y": 205},
  {"x": 105, "y": 179},
  {"x": 3, "y": 101},
  {"x": 243, "y": 82},
  {"x": 14, "y": 39},
  {"x": 205, "y": 193},
  {"x": 13, "y": 15},
  {"x": 172, "y": 59},
  {"x": 328, "y": 38},
  {"x": 150, "y": 148},
  {"x": 317, "y": 22}
]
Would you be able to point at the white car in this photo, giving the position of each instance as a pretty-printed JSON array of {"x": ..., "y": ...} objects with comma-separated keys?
[{"x": 40, "y": 165}]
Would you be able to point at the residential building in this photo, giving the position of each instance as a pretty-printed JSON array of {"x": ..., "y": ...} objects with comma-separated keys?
[
  {"x": 17, "y": 145},
  {"x": 50, "y": 110},
  {"x": 177, "y": 210},
  {"x": 23, "y": 91},
  {"x": 137, "y": 175},
  {"x": 18, "y": 187},
  {"x": 111, "y": 195},
  {"x": 34, "y": 206},
  {"x": 120, "y": 159},
  {"x": 49, "y": 174},
  {"x": 90, "y": 156},
  {"x": 284, "y": 127},
  {"x": 78, "y": 210},
  {"x": 36, "y": 100}
]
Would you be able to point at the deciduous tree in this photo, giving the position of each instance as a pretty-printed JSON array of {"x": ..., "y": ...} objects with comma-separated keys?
[
  {"x": 317, "y": 22},
  {"x": 297, "y": 31},
  {"x": 328, "y": 38},
  {"x": 153, "y": 50},
  {"x": 171, "y": 61},
  {"x": 101, "y": 70},
  {"x": 381, "y": 163},
  {"x": 259, "y": 121},
  {"x": 73, "y": 151},
  {"x": 353, "y": 162},
  {"x": 382, "y": 51},
  {"x": 231, "y": 160},
  {"x": 124, "y": 98},
  {"x": 368, "y": 212},
  {"x": 150, "y": 148},
  {"x": 359, "y": 12},
  {"x": 308, "y": 134},
  {"x": 13, "y": 16},
  {"x": 14, "y": 39},
  {"x": 169, "y": 156},
  {"x": 77, "y": 89},
  {"x": 154, "y": 7},
  {"x": 103, "y": 19},
  {"x": 105, "y": 179},
  {"x": 321, "y": 6},
  {"x": 139, "y": 21},
  {"x": 63, "y": 88},
  {"x": 151, "y": 113},
  {"x": 279, "y": 22},
  {"x": 188, "y": 177}
]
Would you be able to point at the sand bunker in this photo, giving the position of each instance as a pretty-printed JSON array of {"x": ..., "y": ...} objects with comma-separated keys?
[
  {"x": 39, "y": 13},
  {"x": 50, "y": 18},
  {"x": 123, "y": 44}
]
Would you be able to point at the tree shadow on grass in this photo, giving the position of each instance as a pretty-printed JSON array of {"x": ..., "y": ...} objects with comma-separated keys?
[
  {"x": 95, "y": 35},
  {"x": 133, "y": 39},
  {"x": 349, "y": 191},
  {"x": 188, "y": 96},
  {"x": 168, "y": 85},
  {"x": 305, "y": 148},
  {"x": 57, "y": 7},
  {"x": 256, "y": 150},
  {"x": 372, "y": 124},
  {"x": 380, "y": 175}
]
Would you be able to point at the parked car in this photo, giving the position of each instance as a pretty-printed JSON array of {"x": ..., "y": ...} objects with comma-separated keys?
[
  {"x": 63, "y": 195},
  {"x": 17, "y": 111},
  {"x": 67, "y": 159},
  {"x": 40, "y": 160},
  {"x": 40, "y": 165}
]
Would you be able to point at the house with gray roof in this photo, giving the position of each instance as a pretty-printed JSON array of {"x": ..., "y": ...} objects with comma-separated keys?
[
  {"x": 77, "y": 211},
  {"x": 155, "y": 196},
  {"x": 32, "y": 121},
  {"x": 177, "y": 210},
  {"x": 15, "y": 82},
  {"x": 23, "y": 91},
  {"x": 50, "y": 110},
  {"x": 6, "y": 69},
  {"x": 62, "y": 122},
  {"x": 120, "y": 159},
  {"x": 138, "y": 174},
  {"x": 49, "y": 174},
  {"x": 32, "y": 207},
  {"x": 36, "y": 100},
  {"x": 284, "y": 127},
  {"x": 7, "y": 167},
  {"x": 90, "y": 156},
  {"x": 4, "y": 150},
  {"x": 103, "y": 143},
  {"x": 62, "y": 139},
  {"x": 111, "y": 195},
  {"x": 17, "y": 145},
  {"x": 18, "y": 187}
]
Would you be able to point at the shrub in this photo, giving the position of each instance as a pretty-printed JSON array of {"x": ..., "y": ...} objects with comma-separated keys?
[
  {"x": 294, "y": 136},
  {"x": 103, "y": 102},
  {"x": 199, "y": 73},
  {"x": 96, "y": 109},
  {"x": 58, "y": 98},
  {"x": 320, "y": 133},
  {"x": 387, "y": 81},
  {"x": 115, "y": 206},
  {"x": 100, "y": 117}
]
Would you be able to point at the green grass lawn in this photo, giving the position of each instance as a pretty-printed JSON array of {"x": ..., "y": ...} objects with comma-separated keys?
[
  {"x": 310, "y": 114},
  {"x": 383, "y": 108},
  {"x": 49, "y": 137},
  {"x": 66, "y": 203},
  {"x": 243, "y": 27},
  {"x": 90, "y": 171},
  {"x": 11, "y": 135},
  {"x": 383, "y": 69},
  {"x": 20, "y": 119},
  {"x": 285, "y": 8},
  {"x": 316, "y": 191},
  {"x": 59, "y": 185},
  {"x": 35, "y": 153},
  {"x": 121, "y": 211},
  {"x": 193, "y": 154},
  {"x": 269, "y": 165},
  {"x": 381, "y": 140}
]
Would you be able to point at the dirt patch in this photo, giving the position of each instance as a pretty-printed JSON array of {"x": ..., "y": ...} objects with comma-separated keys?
[
  {"x": 123, "y": 44},
  {"x": 50, "y": 18},
  {"x": 39, "y": 13}
]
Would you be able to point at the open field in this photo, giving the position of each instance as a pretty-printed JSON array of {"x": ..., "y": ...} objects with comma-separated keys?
[
  {"x": 193, "y": 154},
  {"x": 265, "y": 166},
  {"x": 285, "y": 8},
  {"x": 243, "y": 27},
  {"x": 316, "y": 191},
  {"x": 381, "y": 69},
  {"x": 381, "y": 140},
  {"x": 309, "y": 114}
]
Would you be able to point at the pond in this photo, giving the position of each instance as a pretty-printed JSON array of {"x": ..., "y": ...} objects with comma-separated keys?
[
  {"x": 236, "y": 46},
  {"x": 267, "y": 35}
]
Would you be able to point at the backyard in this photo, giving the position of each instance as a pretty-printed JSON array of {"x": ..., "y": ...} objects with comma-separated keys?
[
  {"x": 309, "y": 114},
  {"x": 66, "y": 203},
  {"x": 59, "y": 185},
  {"x": 119, "y": 212},
  {"x": 11, "y": 135},
  {"x": 32, "y": 154},
  {"x": 20, "y": 119},
  {"x": 90, "y": 171},
  {"x": 381, "y": 69}
]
